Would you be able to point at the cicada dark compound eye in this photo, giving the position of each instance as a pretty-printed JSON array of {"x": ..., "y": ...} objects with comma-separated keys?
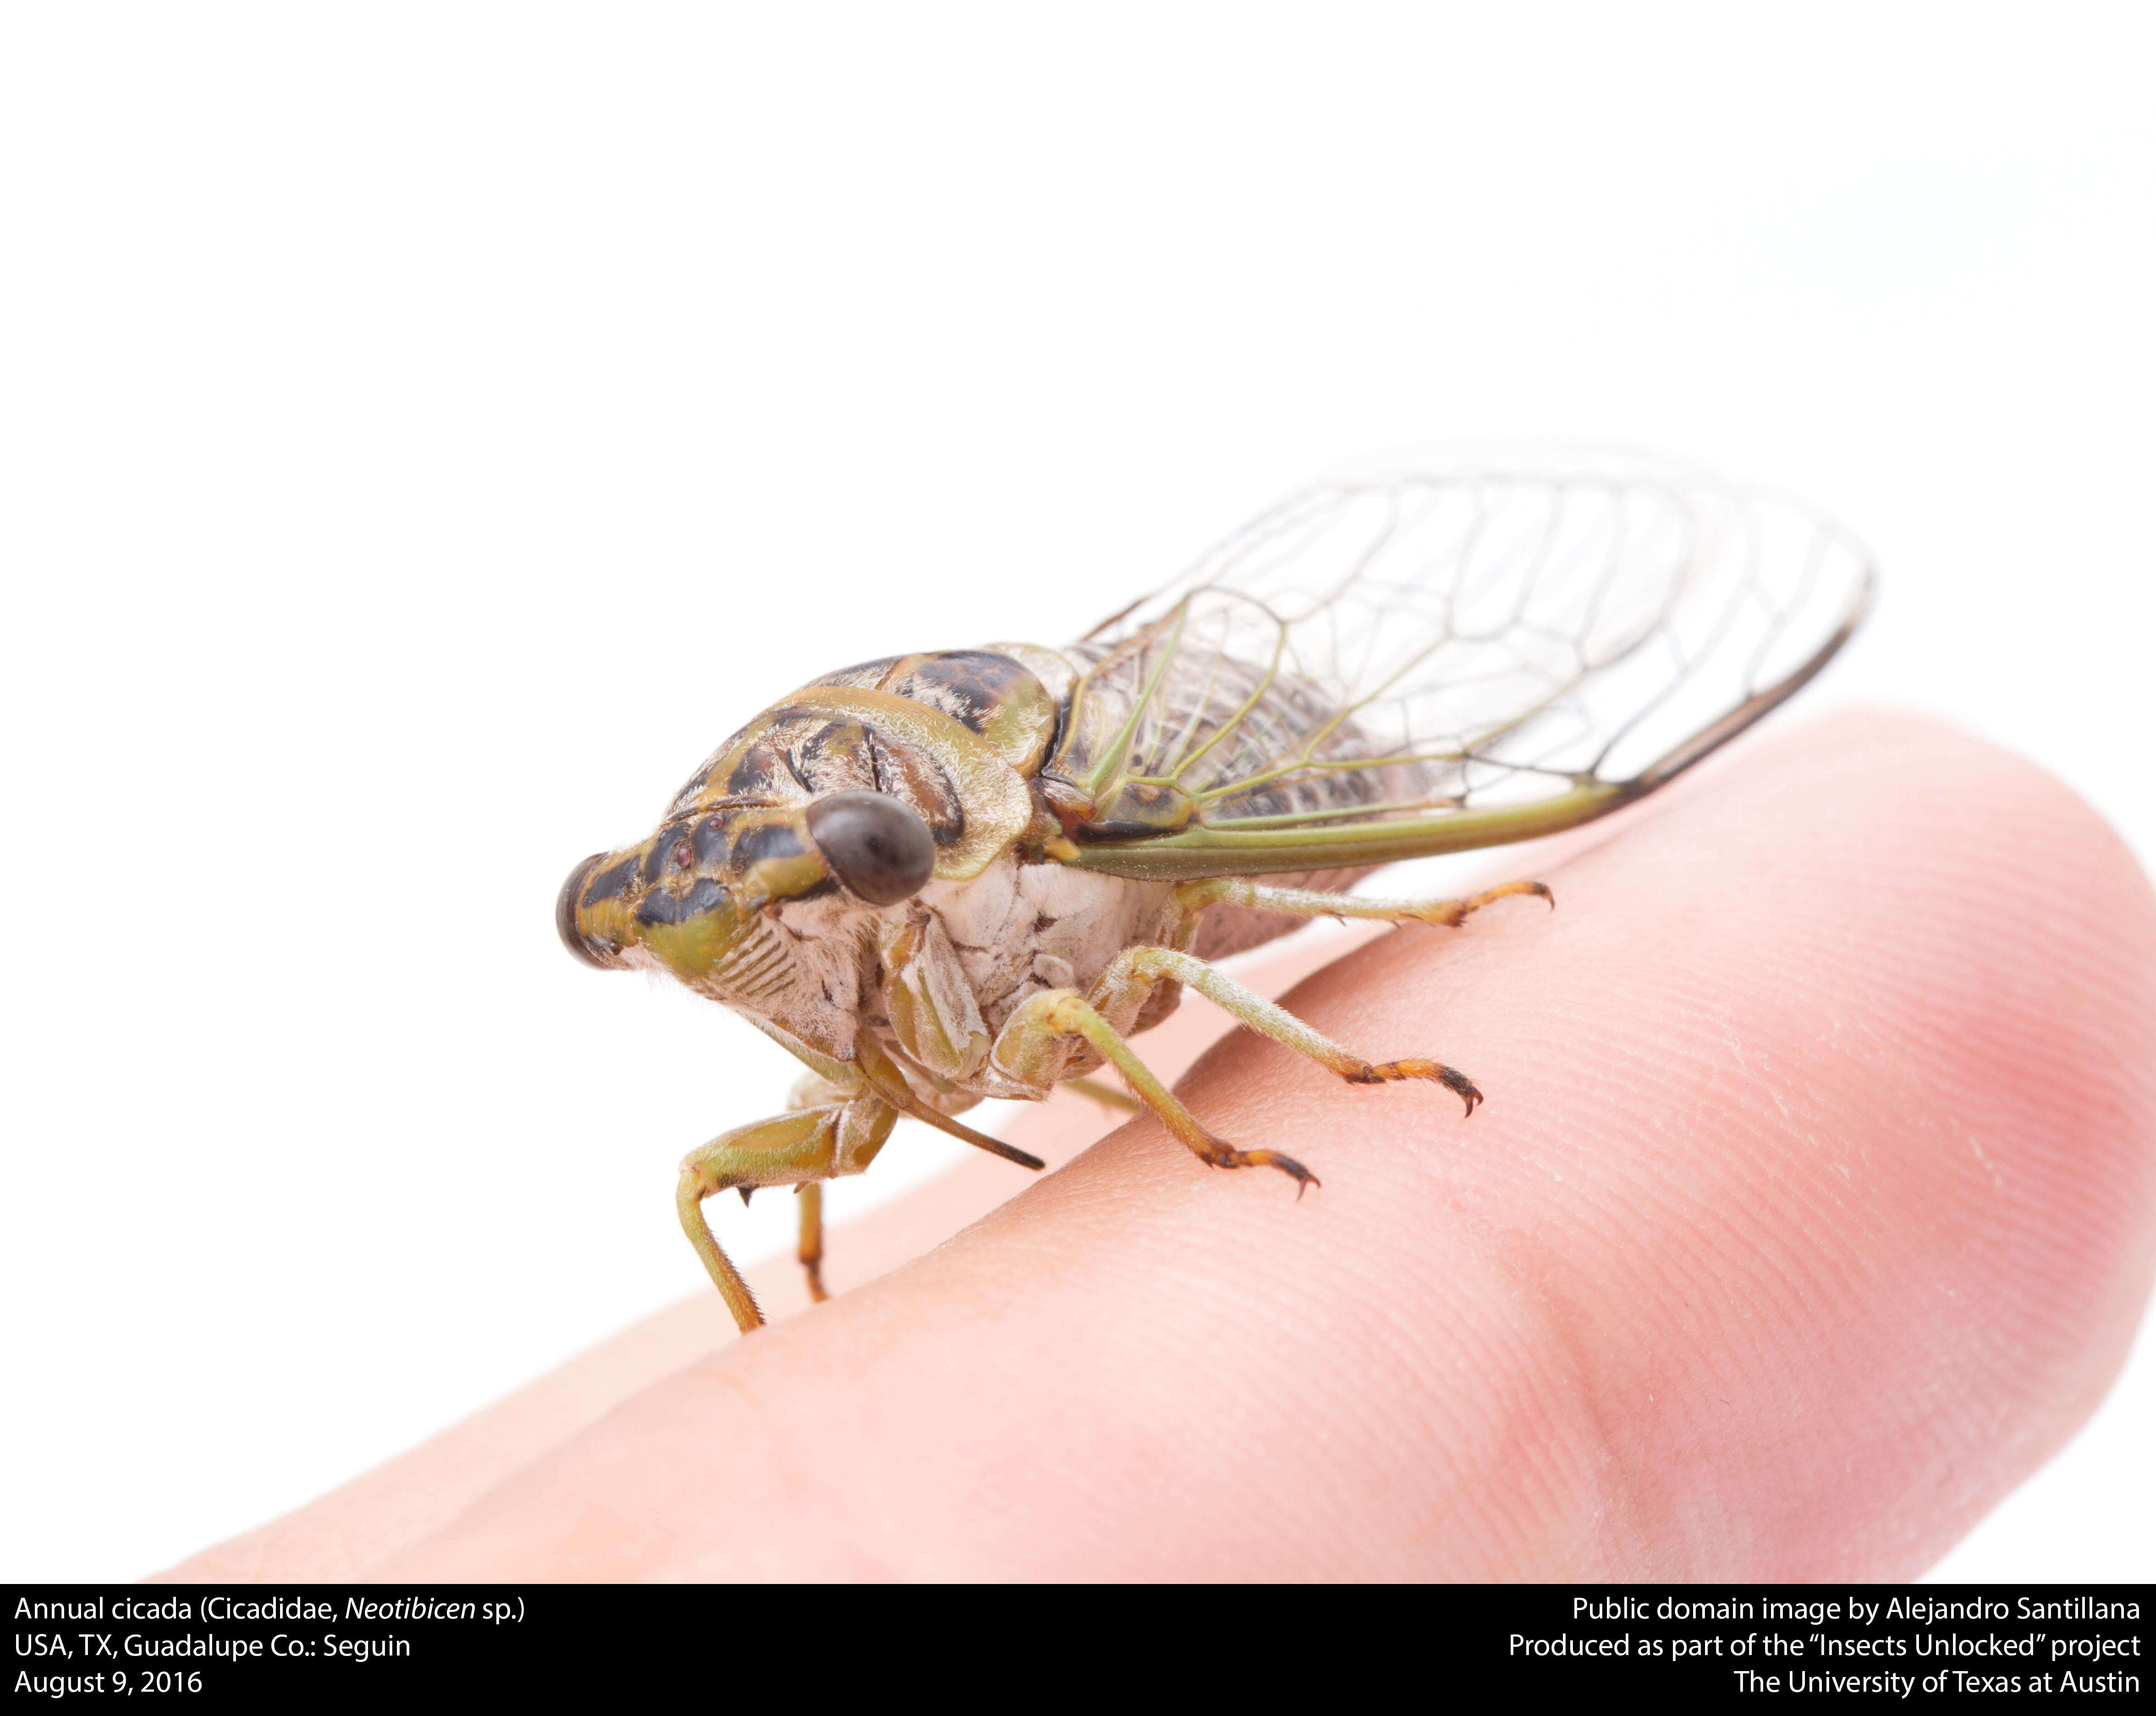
[
  {"x": 880, "y": 848},
  {"x": 565, "y": 914}
]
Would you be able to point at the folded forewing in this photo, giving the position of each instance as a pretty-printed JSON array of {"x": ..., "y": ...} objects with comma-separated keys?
[{"x": 1423, "y": 661}]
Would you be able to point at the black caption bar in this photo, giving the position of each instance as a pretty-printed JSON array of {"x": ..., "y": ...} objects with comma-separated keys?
[{"x": 223, "y": 1647}]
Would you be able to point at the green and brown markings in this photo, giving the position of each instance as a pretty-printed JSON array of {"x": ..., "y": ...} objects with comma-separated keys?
[{"x": 966, "y": 874}]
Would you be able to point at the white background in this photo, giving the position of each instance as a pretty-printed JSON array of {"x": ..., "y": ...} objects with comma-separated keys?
[{"x": 425, "y": 432}]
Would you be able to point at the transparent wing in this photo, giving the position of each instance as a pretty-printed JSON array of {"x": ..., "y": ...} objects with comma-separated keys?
[{"x": 1425, "y": 660}]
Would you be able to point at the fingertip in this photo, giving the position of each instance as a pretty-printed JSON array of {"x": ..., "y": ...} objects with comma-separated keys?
[{"x": 1859, "y": 1049}]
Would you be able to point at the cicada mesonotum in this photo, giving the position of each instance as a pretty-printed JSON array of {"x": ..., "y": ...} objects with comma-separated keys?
[{"x": 978, "y": 872}]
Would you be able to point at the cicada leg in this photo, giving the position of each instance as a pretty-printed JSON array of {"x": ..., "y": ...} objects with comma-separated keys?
[
  {"x": 1032, "y": 1043},
  {"x": 811, "y": 1090},
  {"x": 1107, "y": 1095},
  {"x": 811, "y": 1248},
  {"x": 1150, "y": 965},
  {"x": 1232, "y": 891},
  {"x": 800, "y": 1149}
]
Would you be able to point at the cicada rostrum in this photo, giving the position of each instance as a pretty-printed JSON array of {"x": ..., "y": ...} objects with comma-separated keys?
[{"x": 979, "y": 872}]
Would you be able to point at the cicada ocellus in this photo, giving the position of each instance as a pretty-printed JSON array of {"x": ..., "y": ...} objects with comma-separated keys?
[{"x": 979, "y": 872}]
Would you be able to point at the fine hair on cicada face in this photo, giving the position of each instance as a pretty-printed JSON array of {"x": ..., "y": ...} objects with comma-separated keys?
[
  {"x": 974, "y": 873},
  {"x": 692, "y": 897}
]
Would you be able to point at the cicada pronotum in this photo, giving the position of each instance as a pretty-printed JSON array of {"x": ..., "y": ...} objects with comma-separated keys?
[{"x": 978, "y": 872}]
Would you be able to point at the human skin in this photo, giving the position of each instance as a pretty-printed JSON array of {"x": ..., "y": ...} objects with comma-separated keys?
[{"x": 1812, "y": 1207}]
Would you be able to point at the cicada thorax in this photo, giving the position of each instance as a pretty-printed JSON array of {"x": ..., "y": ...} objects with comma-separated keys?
[
  {"x": 1163, "y": 730},
  {"x": 956, "y": 736}
]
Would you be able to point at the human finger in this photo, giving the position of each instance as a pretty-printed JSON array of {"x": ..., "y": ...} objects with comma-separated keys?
[{"x": 1809, "y": 1211}]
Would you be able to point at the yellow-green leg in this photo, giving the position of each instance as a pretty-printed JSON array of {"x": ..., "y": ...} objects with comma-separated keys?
[
  {"x": 1233, "y": 891},
  {"x": 1143, "y": 967},
  {"x": 1032, "y": 1042},
  {"x": 1107, "y": 1095},
  {"x": 811, "y": 1248},
  {"x": 800, "y": 1149},
  {"x": 1032, "y": 1046}
]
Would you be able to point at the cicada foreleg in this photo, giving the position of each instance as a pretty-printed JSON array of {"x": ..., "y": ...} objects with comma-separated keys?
[
  {"x": 813, "y": 1090},
  {"x": 810, "y": 1251},
  {"x": 1195, "y": 897},
  {"x": 801, "y": 1148}
]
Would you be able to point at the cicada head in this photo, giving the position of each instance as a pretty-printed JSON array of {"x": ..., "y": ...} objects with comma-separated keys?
[
  {"x": 763, "y": 885},
  {"x": 697, "y": 898}
]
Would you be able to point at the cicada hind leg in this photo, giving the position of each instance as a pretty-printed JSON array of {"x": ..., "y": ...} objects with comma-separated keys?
[
  {"x": 1301, "y": 902},
  {"x": 1031, "y": 1043}
]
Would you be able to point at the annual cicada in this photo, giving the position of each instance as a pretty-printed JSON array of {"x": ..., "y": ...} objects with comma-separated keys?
[{"x": 979, "y": 872}]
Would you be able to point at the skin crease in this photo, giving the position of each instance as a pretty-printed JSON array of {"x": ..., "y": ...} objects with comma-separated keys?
[{"x": 1813, "y": 1206}]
